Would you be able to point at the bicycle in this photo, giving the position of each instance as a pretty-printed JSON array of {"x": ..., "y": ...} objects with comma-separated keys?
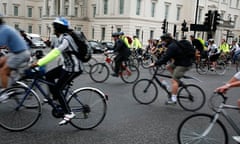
[
  {"x": 204, "y": 66},
  {"x": 190, "y": 96},
  {"x": 23, "y": 107},
  {"x": 204, "y": 128},
  {"x": 100, "y": 72}
]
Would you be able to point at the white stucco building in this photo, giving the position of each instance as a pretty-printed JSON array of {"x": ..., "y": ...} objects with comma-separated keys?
[{"x": 99, "y": 18}]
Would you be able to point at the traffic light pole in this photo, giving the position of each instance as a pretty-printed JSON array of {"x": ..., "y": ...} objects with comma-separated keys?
[{"x": 196, "y": 16}]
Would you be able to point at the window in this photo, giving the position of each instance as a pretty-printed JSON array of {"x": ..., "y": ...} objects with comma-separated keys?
[
  {"x": 153, "y": 9},
  {"x": 29, "y": 12},
  {"x": 138, "y": 33},
  {"x": 40, "y": 12},
  {"x": 103, "y": 33},
  {"x": 121, "y": 8},
  {"x": 93, "y": 33},
  {"x": 76, "y": 11},
  {"x": 66, "y": 11},
  {"x": 237, "y": 5},
  {"x": 16, "y": 26},
  {"x": 94, "y": 11},
  {"x": 40, "y": 29},
  {"x": 178, "y": 13},
  {"x": 4, "y": 8},
  {"x": 105, "y": 7},
  {"x": 30, "y": 29},
  {"x": 119, "y": 29},
  {"x": 138, "y": 7},
  {"x": 166, "y": 11},
  {"x": 15, "y": 10},
  {"x": 151, "y": 34},
  {"x": 200, "y": 12}
]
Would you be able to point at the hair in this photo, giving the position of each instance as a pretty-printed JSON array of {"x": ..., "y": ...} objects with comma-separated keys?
[{"x": 60, "y": 28}]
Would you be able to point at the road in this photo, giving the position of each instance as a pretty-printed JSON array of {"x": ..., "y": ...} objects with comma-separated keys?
[{"x": 126, "y": 122}]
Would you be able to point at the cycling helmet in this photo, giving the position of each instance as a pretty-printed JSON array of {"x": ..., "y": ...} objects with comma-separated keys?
[
  {"x": 115, "y": 34},
  {"x": 121, "y": 33},
  {"x": 62, "y": 21},
  {"x": 211, "y": 40},
  {"x": 166, "y": 36}
]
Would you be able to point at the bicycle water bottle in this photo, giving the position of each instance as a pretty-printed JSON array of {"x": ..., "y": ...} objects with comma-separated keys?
[{"x": 165, "y": 83}]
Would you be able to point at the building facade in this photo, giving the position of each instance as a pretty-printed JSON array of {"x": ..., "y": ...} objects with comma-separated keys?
[{"x": 144, "y": 18}]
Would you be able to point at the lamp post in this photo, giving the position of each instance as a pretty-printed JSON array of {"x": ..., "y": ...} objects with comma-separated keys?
[
  {"x": 196, "y": 15},
  {"x": 111, "y": 33}
]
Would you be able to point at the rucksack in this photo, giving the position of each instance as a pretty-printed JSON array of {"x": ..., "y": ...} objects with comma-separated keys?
[
  {"x": 187, "y": 49},
  {"x": 129, "y": 39},
  {"x": 84, "y": 52}
]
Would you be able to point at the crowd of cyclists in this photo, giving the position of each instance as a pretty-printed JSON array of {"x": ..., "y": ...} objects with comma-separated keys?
[{"x": 164, "y": 50}]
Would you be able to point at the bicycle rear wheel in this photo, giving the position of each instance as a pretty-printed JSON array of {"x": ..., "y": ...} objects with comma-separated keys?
[
  {"x": 89, "y": 105},
  {"x": 220, "y": 68},
  {"x": 202, "y": 68},
  {"x": 145, "y": 91},
  {"x": 131, "y": 75},
  {"x": 99, "y": 72},
  {"x": 200, "y": 129},
  {"x": 89, "y": 64},
  {"x": 191, "y": 97},
  {"x": 14, "y": 115}
]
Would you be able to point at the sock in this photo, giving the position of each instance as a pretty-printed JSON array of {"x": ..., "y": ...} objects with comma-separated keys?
[{"x": 174, "y": 98}]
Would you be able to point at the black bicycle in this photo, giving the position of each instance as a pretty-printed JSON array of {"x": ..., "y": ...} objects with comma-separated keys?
[
  {"x": 190, "y": 96},
  {"x": 23, "y": 108}
]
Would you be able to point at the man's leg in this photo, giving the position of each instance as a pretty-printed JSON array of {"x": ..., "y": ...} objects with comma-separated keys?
[{"x": 5, "y": 73}]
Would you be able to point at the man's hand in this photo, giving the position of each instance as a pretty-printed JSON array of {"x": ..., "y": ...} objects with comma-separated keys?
[
  {"x": 34, "y": 65},
  {"x": 223, "y": 89}
]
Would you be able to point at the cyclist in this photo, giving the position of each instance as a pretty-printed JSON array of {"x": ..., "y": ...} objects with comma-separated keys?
[
  {"x": 178, "y": 67},
  {"x": 200, "y": 52},
  {"x": 137, "y": 46},
  {"x": 123, "y": 52},
  {"x": 63, "y": 74},
  {"x": 17, "y": 56},
  {"x": 224, "y": 49},
  {"x": 213, "y": 53},
  {"x": 127, "y": 40},
  {"x": 233, "y": 82}
]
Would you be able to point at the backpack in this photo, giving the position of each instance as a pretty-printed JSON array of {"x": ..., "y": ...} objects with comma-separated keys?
[
  {"x": 84, "y": 52},
  {"x": 187, "y": 49},
  {"x": 129, "y": 39}
]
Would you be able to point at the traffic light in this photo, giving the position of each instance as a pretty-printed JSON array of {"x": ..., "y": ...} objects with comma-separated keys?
[
  {"x": 164, "y": 25},
  {"x": 208, "y": 20},
  {"x": 184, "y": 26},
  {"x": 216, "y": 19}
]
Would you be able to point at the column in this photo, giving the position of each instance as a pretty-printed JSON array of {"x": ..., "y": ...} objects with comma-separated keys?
[
  {"x": 71, "y": 8},
  {"x": 62, "y": 7},
  {"x": 53, "y": 8},
  {"x": 45, "y": 5}
]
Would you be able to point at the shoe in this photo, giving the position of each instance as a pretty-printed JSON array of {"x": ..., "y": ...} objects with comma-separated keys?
[
  {"x": 67, "y": 118},
  {"x": 171, "y": 102},
  {"x": 212, "y": 69},
  {"x": 114, "y": 75},
  {"x": 236, "y": 138},
  {"x": 3, "y": 97}
]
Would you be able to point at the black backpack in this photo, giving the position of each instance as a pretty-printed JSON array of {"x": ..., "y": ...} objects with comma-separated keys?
[
  {"x": 84, "y": 52},
  {"x": 187, "y": 49}
]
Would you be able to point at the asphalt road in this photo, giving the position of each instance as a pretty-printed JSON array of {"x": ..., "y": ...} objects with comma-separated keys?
[{"x": 126, "y": 122}]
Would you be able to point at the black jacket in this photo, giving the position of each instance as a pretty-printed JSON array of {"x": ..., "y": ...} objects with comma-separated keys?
[
  {"x": 121, "y": 48},
  {"x": 176, "y": 53}
]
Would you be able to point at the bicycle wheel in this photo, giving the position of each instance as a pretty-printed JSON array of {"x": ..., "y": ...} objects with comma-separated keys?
[
  {"x": 145, "y": 91},
  {"x": 131, "y": 75},
  {"x": 89, "y": 105},
  {"x": 237, "y": 65},
  {"x": 220, "y": 68},
  {"x": 99, "y": 72},
  {"x": 14, "y": 116},
  {"x": 200, "y": 129},
  {"x": 202, "y": 68},
  {"x": 191, "y": 97},
  {"x": 89, "y": 64},
  {"x": 146, "y": 61}
]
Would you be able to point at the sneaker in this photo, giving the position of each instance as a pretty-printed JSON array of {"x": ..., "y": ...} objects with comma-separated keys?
[
  {"x": 212, "y": 69},
  {"x": 4, "y": 97},
  {"x": 67, "y": 118},
  {"x": 114, "y": 75},
  {"x": 236, "y": 138},
  {"x": 171, "y": 102}
]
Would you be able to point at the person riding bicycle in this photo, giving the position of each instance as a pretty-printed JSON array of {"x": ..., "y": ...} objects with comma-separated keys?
[
  {"x": 178, "y": 67},
  {"x": 213, "y": 53},
  {"x": 123, "y": 52},
  {"x": 17, "y": 56},
  {"x": 137, "y": 45},
  {"x": 62, "y": 75},
  {"x": 200, "y": 52},
  {"x": 233, "y": 82}
]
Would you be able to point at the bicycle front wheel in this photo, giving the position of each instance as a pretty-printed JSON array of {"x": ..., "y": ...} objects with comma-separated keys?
[
  {"x": 145, "y": 91},
  {"x": 89, "y": 64},
  {"x": 220, "y": 68},
  {"x": 131, "y": 74},
  {"x": 191, "y": 97},
  {"x": 89, "y": 105},
  {"x": 14, "y": 115},
  {"x": 99, "y": 72},
  {"x": 202, "y": 68},
  {"x": 201, "y": 129}
]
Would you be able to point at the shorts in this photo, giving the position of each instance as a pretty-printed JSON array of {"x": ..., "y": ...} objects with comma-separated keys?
[
  {"x": 178, "y": 71},
  {"x": 237, "y": 75},
  {"x": 18, "y": 60}
]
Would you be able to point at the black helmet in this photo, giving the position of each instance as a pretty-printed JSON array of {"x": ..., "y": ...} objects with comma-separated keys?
[
  {"x": 121, "y": 33},
  {"x": 166, "y": 36},
  {"x": 115, "y": 34}
]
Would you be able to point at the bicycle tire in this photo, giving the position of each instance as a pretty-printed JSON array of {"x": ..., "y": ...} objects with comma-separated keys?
[
  {"x": 202, "y": 68},
  {"x": 16, "y": 117},
  {"x": 145, "y": 91},
  {"x": 99, "y": 72},
  {"x": 191, "y": 97},
  {"x": 130, "y": 76},
  {"x": 89, "y": 64},
  {"x": 90, "y": 106},
  {"x": 191, "y": 129},
  {"x": 220, "y": 68},
  {"x": 145, "y": 62}
]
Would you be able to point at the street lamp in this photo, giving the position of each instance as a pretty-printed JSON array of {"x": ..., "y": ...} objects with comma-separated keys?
[{"x": 112, "y": 32}]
